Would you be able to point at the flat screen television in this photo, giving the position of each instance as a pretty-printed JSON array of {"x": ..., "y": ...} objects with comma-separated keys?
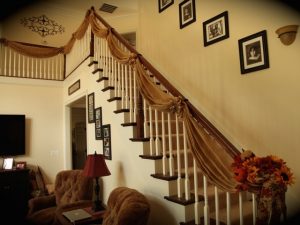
[{"x": 12, "y": 135}]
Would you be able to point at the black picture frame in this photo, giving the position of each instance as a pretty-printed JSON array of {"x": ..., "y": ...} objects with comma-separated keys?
[
  {"x": 216, "y": 29},
  {"x": 91, "y": 106},
  {"x": 98, "y": 123},
  {"x": 74, "y": 87},
  {"x": 106, "y": 141},
  {"x": 163, "y": 4},
  {"x": 253, "y": 51},
  {"x": 187, "y": 13}
]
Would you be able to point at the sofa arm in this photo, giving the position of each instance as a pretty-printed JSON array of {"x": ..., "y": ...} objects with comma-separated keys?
[{"x": 39, "y": 203}]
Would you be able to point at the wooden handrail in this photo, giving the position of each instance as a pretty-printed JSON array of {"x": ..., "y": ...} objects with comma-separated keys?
[{"x": 231, "y": 149}]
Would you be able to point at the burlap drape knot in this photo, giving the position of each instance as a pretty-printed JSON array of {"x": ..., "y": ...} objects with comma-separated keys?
[
  {"x": 132, "y": 59},
  {"x": 178, "y": 107}
]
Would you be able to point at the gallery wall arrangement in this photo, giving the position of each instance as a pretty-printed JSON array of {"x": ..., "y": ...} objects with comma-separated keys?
[
  {"x": 102, "y": 132},
  {"x": 253, "y": 49}
]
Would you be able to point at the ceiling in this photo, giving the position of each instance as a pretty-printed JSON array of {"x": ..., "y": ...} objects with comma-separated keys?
[
  {"x": 66, "y": 14},
  {"x": 124, "y": 6}
]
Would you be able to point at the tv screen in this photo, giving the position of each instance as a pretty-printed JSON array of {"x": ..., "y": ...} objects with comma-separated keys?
[{"x": 12, "y": 135}]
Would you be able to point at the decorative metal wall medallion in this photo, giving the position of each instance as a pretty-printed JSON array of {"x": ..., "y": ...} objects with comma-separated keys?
[{"x": 42, "y": 25}]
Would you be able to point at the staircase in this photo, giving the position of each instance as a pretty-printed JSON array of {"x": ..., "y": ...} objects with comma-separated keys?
[{"x": 165, "y": 144}]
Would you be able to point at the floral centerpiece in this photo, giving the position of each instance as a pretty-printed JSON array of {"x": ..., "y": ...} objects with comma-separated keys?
[{"x": 267, "y": 177}]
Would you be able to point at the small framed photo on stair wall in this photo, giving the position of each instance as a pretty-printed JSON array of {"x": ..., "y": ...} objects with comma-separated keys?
[
  {"x": 163, "y": 4},
  {"x": 98, "y": 123},
  {"x": 91, "y": 106},
  {"x": 106, "y": 141},
  {"x": 187, "y": 13}
]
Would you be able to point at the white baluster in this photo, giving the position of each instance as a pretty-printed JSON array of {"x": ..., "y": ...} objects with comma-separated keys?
[
  {"x": 163, "y": 130},
  {"x": 197, "y": 203},
  {"x": 134, "y": 96},
  {"x": 151, "y": 130},
  {"x": 9, "y": 62},
  {"x": 19, "y": 66},
  {"x": 171, "y": 158},
  {"x": 145, "y": 117},
  {"x": 217, "y": 206},
  {"x": 126, "y": 98},
  {"x": 179, "y": 191},
  {"x": 123, "y": 86},
  {"x": 5, "y": 60},
  {"x": 157, "y": 141},
  {"x": 206, "y": 205},
  {"x": 228, "y": 209},
  {"x": 14, "y": 63},
  {"x": 241, "y": 208},
  {"x": 254, "y": 208},
  {"x": 27, "y": 66},
  {"x": 1, "y": 59},
  {"x": 23, "y": 65},
  {"x": 187, "y": 177}
]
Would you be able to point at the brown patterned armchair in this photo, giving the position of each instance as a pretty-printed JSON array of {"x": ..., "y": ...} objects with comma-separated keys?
[
  {"x": 126, "y": 206},
  {"x": 71, "y": 189}
]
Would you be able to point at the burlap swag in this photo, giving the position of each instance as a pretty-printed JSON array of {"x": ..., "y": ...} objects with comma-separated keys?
[{"x": 212, "y": 158}]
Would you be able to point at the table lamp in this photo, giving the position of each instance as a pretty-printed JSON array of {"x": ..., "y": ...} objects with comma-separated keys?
[{"x": 95, "y": 167}]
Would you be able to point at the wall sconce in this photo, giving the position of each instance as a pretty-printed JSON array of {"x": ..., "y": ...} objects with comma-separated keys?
[{"x": 287, "y": 34}]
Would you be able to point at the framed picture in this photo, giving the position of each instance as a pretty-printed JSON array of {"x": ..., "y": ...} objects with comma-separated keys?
[
  {"x": 106, "y": 141},
  {"x": 216, "y": 29},
  {"x": 98, "y": 123},
  {"x": 163, "y": 4},
  {"x": 74, "y": 87},
  {"x": 187, "y": 13},
  {"x": 21, "y": 165},
  {"x": 8, "y": 163},
  {"x": 91, "y": 106},
  {"x": 253, "y": 52}
]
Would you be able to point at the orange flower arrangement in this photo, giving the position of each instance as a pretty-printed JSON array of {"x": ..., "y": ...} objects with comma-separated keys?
[
  {"x": 250, "y": 170},
  {"x": 267, "y": 177}
]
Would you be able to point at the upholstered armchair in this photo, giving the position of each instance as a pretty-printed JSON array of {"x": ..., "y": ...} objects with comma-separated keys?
[
  {"x": 126, "y": 206},
  {"x": 71, "y": 189}
]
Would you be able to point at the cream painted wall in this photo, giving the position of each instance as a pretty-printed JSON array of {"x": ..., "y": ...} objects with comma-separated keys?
[
  {"x": 257, "y": 111},
  {"x": 41, "y": 102}
]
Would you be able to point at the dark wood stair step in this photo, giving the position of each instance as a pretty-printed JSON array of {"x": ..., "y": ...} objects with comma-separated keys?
[
  {"x": 164, "y": 177},
  {"x": 153, "y": 157},
  {"x": 108, "y": 88},
  {"x": 182, "y": 200},
  {"x": 92, "y": 63},
  {"x": 139, "y": 139},
  {"x": 121, "y": 111},
  {"x": 128, "y": 124},
  {"x": 114, "y": 99},
  {"x": 101, "y": 79},
  {"x": 97, "y": 70}
]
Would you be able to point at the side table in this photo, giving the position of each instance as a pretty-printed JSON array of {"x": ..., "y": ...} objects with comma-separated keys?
[{"x": 95, "y": 219}]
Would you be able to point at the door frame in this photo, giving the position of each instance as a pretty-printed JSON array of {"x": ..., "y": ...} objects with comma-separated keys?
[{"x": 68, "y": 129}]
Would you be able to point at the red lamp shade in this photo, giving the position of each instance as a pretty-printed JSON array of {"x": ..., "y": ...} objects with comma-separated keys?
[{"x": 95, "y": 166}]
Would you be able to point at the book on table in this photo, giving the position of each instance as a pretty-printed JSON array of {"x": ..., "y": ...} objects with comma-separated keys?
[{"x": 76, "y": 214}]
